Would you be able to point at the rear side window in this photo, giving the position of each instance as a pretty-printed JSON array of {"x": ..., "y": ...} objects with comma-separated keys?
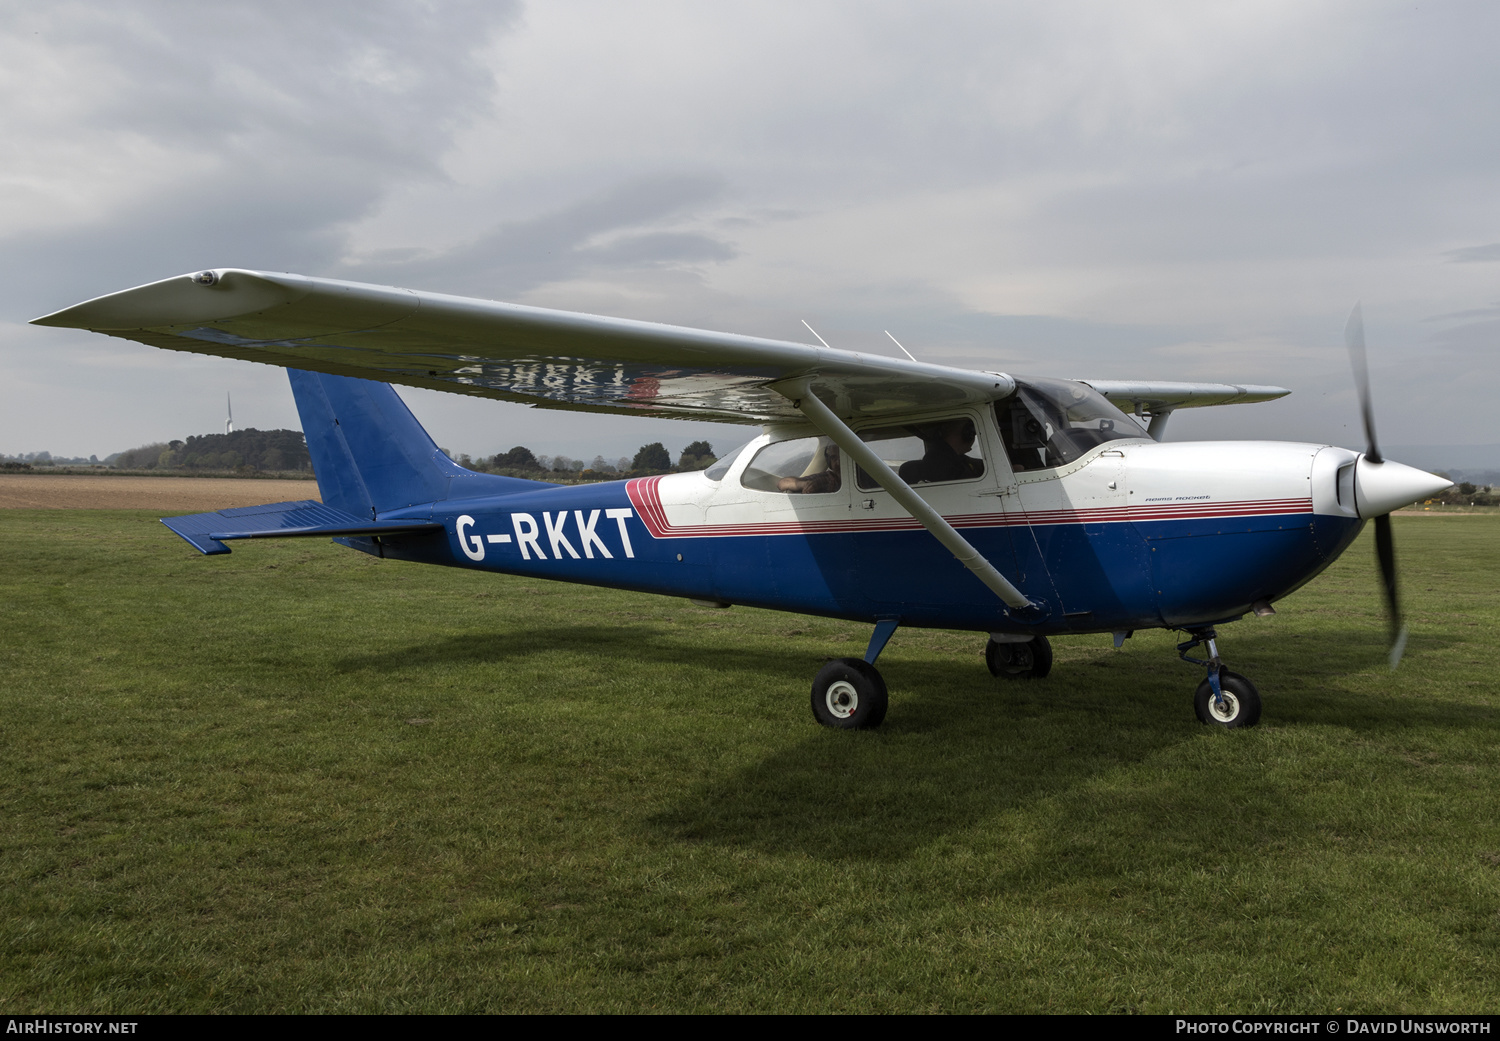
[{"x": 926, "y": 453}]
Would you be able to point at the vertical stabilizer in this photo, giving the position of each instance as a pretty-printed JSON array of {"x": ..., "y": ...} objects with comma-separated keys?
[{"x": 371, "y": 455}]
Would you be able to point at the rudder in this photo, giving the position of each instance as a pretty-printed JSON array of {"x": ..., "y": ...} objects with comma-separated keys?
[{"x": 371, "y": 456}]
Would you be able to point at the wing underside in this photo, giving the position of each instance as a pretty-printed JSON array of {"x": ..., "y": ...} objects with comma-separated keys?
[
  {"x": 550, "y": 359},
  {"x": 545, "y": 358}
]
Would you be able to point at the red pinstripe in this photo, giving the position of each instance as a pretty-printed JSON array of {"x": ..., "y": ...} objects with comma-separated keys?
[{"x": 647, "y": 501}]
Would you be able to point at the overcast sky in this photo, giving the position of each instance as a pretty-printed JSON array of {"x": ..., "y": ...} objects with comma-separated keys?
[{"x": 1143, "y": 190}]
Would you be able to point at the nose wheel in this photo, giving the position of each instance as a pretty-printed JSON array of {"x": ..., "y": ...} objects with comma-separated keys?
[
  {"x": 1237, "y": 704},
  {"x": 1224, "y": 699}
]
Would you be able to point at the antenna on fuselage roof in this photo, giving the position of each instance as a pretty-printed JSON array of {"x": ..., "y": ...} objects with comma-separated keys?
[
  {"x": 887, "y": 332},
  {"x": 815, "y": 333},
  {"x": 898, "y": 344}
]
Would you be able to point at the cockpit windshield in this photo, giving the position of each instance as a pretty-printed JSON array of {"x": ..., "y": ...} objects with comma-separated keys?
[
  {"x": 721, "y": 466},
  {"x": 1048, "y": 422}
]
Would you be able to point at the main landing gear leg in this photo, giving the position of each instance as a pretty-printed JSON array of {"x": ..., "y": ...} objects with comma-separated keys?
[
  {"x": 849, "y": 693},
  {"x": 1224, "y": 698}
]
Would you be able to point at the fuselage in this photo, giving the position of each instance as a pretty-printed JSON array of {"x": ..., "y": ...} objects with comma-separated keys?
[{"x": 1130, "y": 534}]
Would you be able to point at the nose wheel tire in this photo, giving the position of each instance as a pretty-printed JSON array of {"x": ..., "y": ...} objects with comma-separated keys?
[
  {"x": 1019, "y": 661},
  {"x": 1240, "y": 706},
  {"x": 849, "y": 694}
]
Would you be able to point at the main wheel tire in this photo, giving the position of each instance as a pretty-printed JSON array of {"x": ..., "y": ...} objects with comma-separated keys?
[
  {"x": 1241, "y": 707},
  {"x": 1019, "y": 661},
  {"x": 849, "y": 694}
]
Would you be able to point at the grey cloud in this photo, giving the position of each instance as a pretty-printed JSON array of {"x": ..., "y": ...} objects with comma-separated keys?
[
  {"x": 1247, "y": 149},
  {"x": 383, "y": 79},
  {"x": 1474, "y": 254},
  {"x": 1492, "y": 311},
  {"x": 278, "y": 226},
  {"x": 1478, "y": 339},
  {"x": 613, "y": 230},
  {"x": 295, "y": 120},
  {"x": 661, "y": 248}
]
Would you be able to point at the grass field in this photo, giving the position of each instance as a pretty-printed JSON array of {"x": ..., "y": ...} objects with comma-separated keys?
[{"x": 300, "y": 779}]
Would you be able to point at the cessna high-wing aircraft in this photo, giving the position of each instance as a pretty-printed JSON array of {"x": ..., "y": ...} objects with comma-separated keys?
[{"x": 880, "y": 490}]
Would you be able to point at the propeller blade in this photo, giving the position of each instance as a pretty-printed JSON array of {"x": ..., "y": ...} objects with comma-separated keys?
[
  {"x": 1354, "y": 339},
  {"x": 1385, "y": 553},
  {"x": 1385, "y": 545}
]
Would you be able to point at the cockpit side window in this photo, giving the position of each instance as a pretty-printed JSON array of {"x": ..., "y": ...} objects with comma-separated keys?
[
  {"x": 806, "y": 466},
  {"x": 1048, "y": 423}
]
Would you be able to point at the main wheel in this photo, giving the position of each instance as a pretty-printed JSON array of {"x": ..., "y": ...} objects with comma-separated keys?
[
  {"x": 849, "y": 693},
  {"x": 1019, "y": 661},
  {"x": 1241, "y": 705}
]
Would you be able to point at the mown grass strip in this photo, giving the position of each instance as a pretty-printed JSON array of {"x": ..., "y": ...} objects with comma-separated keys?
[{"x": 301, "y": 779}]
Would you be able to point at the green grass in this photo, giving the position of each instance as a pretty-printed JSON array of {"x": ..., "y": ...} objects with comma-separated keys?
[{"x": 299, "y": 779}]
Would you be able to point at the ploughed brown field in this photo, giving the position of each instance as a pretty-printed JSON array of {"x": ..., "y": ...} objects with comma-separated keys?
[{"x": 168, "y": 494}]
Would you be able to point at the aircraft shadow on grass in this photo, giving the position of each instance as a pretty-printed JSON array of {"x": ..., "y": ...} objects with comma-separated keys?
[
  {"x": 1317, "y": 685},
  {"x": 961, "y": 748},
  {"x": 976, "y": 748},
  {"x": 625, "y": 645},
  {"x": 960, "y": 751}
]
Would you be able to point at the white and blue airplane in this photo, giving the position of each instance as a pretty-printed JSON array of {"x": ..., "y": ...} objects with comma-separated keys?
[{"x": 880, "y": 490}]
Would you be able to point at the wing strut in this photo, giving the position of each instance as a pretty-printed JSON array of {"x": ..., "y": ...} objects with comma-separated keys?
[{"x": 821, "y": 416}]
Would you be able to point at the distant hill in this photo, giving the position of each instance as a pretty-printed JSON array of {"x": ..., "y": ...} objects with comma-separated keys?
[{"x": 250, "y": 448}]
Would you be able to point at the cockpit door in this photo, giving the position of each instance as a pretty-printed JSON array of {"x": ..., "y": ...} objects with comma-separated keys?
[
  {"x": 1031, "y": 574},
  {"x": 1077, "y": 529},
  {"x": 950, "y": 461}
]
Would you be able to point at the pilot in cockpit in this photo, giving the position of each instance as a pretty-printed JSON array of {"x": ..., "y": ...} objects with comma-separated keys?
[
  {"x": 812, "y": 483},
  {"x": 945, "y": 457}
]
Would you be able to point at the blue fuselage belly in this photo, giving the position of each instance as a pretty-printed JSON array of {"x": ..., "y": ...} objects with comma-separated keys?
[
  {"x": 1092, "y": 577},
  {"x": 1213, "y": 568}
]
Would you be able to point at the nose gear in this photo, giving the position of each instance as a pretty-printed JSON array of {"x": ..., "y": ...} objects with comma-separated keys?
[{"x": 1224, "y": 698}]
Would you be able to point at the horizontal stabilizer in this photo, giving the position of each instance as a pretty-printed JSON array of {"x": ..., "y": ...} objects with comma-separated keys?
[{"x": 278, "y": 520}]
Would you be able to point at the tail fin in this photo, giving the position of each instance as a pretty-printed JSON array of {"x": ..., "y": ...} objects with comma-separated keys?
[{"x": 371, "y": 455}]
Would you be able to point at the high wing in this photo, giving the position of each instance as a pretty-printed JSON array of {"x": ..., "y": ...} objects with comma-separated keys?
[
  {"x": 545, "y": 358},
  {"x": 1158, "y": 397},
  {"x": 1159, "y": 400},
  {"x": 550, "y": 359}
]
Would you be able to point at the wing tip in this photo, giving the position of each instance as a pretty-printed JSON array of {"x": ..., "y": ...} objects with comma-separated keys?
[{"x": 205, "y": 295}]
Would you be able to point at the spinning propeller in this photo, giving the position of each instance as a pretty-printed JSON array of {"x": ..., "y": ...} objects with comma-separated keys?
[{"x": 1382, "y": 486}]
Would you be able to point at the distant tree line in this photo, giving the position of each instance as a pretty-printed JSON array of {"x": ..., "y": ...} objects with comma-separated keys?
[
  {"x": 650, "y": 459},
  {"x": 286, "y": 450},
  {"x": 1467, "y": 493},
  {"x": 247, "y": 449},
  {"x": 34, "y": 459}
]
